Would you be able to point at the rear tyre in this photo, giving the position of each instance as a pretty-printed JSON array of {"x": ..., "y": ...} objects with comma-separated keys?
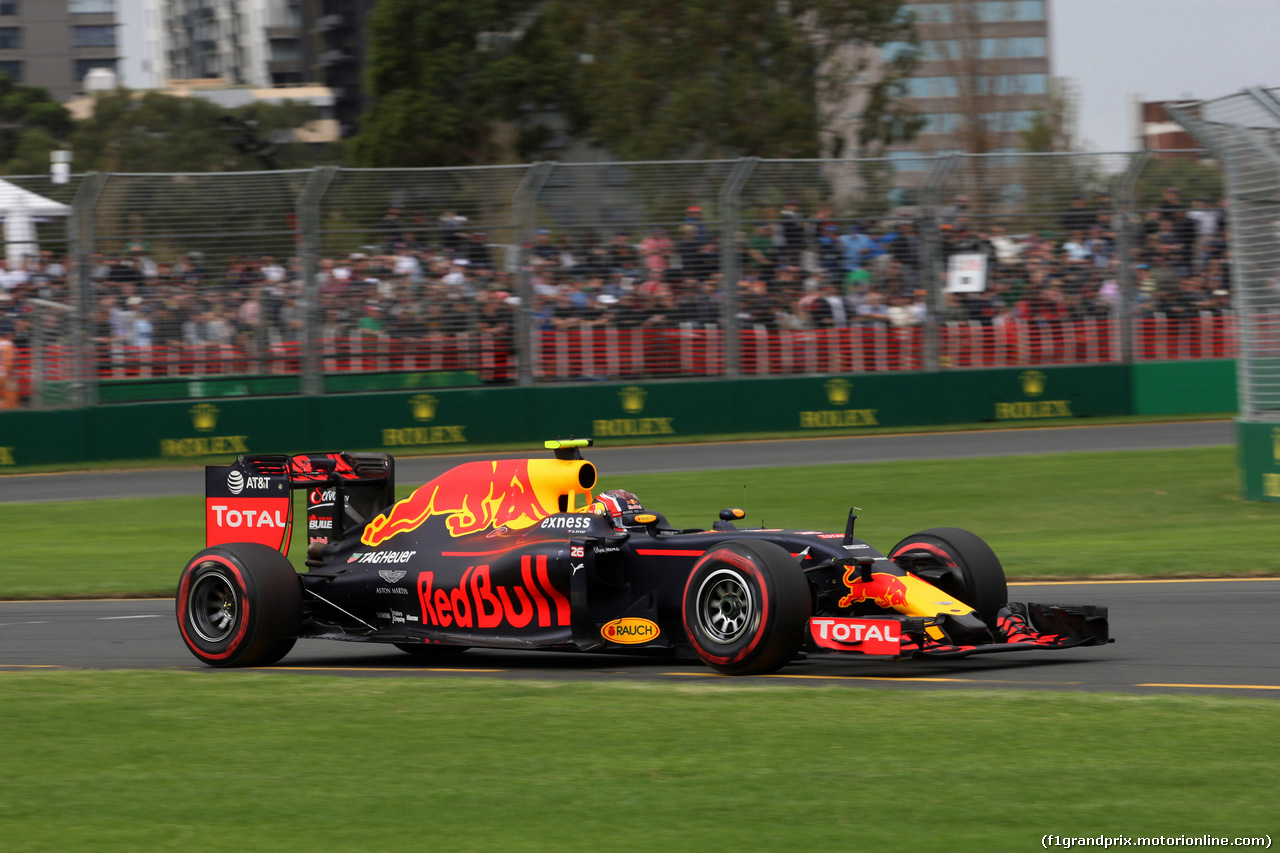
[
  {"x": 960, "y": 564},
  {"x": 239, "y": 604},
  {"x": 430, "y": 650},
  {"x": 745, "y": 606}
]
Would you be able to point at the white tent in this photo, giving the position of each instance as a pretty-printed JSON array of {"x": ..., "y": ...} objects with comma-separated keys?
[{"x": 20, "y": 209}]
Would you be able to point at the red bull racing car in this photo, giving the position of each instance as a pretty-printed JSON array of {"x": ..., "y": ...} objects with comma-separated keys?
[{"x": 519, "y": 554}]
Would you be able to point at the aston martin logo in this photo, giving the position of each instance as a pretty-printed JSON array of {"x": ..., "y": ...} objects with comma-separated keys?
[
  {"x": 1032, "y": 382},
  {"x": 423, "y": 406},
  {"x": 838, "y": 391},
  {"x": 204, "y": 416},
  {"x": 632, "y": 398}
]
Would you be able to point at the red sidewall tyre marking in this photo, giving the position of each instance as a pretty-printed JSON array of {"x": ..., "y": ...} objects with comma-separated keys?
[
  {"x": 748, "y": 568},
  {"x": 936, "y": 550},
  {"x": 184, "y": 591}
]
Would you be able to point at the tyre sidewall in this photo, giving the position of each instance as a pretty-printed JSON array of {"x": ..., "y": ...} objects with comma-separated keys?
[
  {"x": 268, "y": 604},
  {"x": 760, "y": 648},
  {"x": 979, "y": 570}
]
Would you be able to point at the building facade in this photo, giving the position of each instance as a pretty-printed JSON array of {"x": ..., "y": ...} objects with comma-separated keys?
[
  {"x": 271, "y": 43},
  {"x": 984, "y": 73},
  {"x": 55, "y": 43}
]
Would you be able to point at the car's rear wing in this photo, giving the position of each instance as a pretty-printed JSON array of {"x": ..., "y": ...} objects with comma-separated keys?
[{"x": 251, "y": 500}]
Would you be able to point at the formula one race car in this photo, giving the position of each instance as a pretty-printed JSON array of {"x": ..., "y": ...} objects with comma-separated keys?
[{"x": 518, "y": 554}]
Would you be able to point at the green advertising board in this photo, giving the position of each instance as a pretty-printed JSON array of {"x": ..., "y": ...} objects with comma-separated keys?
[
  {"x": 1185, "y": 387},
  {"x": 1258, "y": 449},
  {"x": 458, "y": 419}
]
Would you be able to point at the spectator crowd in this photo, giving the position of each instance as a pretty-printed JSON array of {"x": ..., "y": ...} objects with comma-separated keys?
[{"x": 798, "y": 270}]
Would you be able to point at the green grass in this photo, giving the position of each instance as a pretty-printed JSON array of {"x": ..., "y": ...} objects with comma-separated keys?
[
  {"x": 227, "y": 761},
  {"x": 1156, "y": 513}
]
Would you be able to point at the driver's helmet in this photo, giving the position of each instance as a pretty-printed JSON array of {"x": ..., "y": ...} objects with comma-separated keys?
[{"x": 617, "y": 505}]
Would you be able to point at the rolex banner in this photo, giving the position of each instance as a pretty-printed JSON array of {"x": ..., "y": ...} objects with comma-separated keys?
[{"x": 448, "y": 420}]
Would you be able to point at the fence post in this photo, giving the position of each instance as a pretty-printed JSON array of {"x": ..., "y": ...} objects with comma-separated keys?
[
  {"x": 1124, "y": 203},
  {"x": 932, "y": 263},
  {"x": 80, "y": 234},
  {"x": 730, "y": 223},
  {"x": 525, "y": 204},
  {"x": 309, "y": 223}
]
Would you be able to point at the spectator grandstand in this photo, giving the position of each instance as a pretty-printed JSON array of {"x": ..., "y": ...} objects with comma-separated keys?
[{"x": 427, "y": 292}]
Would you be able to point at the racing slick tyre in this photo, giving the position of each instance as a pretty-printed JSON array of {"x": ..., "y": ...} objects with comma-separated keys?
[
  {"x": 430, "y": 650},
  {"x": 746, "y": 605},
  {"x": 239, "y": 605},
  {"x": 960, "y": 564}
]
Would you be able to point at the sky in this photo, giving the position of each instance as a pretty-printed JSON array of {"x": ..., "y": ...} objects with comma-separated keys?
[{"x": 1117, "y": 53}]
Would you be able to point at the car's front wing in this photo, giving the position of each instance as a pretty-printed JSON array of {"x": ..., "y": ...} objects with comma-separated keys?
[{"x": 1019, "y": 627}]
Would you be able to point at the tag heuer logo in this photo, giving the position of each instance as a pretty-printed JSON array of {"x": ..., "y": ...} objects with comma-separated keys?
[{"x": 391, "y": 575}]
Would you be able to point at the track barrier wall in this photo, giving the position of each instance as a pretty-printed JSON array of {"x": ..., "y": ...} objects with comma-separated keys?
[
  {"x": 1258, "y": 446},
  {"x": 450, "y": 420}
]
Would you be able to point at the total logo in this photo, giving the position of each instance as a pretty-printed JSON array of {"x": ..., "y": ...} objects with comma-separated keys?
[
  {"x": 238, "y": 482},
  {"x": 382, "y": 557},
  {"x": 247, "y": 517},
  {"x": 868, "y": 636}
]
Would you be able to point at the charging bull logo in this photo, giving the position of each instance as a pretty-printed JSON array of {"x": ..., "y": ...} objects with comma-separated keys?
[
  {"x": 885, "y": 590},
  {"x": 472, "y": 497},
  {"x": 515, "y": 493}
]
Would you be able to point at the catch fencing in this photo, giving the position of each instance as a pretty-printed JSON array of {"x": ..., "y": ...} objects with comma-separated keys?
[
  {"x": 176, "y": 286},
  {"x": 1243, "y": 131}
]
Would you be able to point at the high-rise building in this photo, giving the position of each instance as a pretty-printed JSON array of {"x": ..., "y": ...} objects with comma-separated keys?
[
  {"x": 269, "y": 43},
  {"x": 214, "y": 39},
  {"x": 55, "y": 43},
  {"x": 983, "y": 75}
]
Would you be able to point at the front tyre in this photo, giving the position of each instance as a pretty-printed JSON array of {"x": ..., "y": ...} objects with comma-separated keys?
[
  {"x": 960, "y": 564},
  {"x": 745, "y": 607},
  {"x": 239, "y": 604}
]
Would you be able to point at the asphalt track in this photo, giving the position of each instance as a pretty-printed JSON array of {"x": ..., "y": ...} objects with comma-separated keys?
[
  {"x": 1172, "y": 636},
  {"x": 96, "y": 485}
]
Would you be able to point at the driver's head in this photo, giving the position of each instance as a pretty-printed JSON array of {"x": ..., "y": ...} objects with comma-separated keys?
[{"x": 618, "y": 505}]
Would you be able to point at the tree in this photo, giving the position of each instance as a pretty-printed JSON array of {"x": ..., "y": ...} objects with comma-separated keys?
[
  {"x": 662, "y": 79},
  {"x": 441, "y": 74},
  {"x": 155, "y": 132},
  {"x": 1195, "y": 179},
  {"x": 648, "y": 79},
  {"x": 31, "y": 125},
  {"x": 1052, "y": 129}
]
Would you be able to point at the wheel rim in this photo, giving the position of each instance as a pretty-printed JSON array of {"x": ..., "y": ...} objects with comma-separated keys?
[
  {"x": 213, "y": 607},
  {"x": 726, "y": 606}
]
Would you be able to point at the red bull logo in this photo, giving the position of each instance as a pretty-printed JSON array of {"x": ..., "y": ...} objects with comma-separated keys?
[
  {"x": 477, "y": 602},
  {"x": 475, "y": 496},
  {"x": 888, "y": 591}
]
